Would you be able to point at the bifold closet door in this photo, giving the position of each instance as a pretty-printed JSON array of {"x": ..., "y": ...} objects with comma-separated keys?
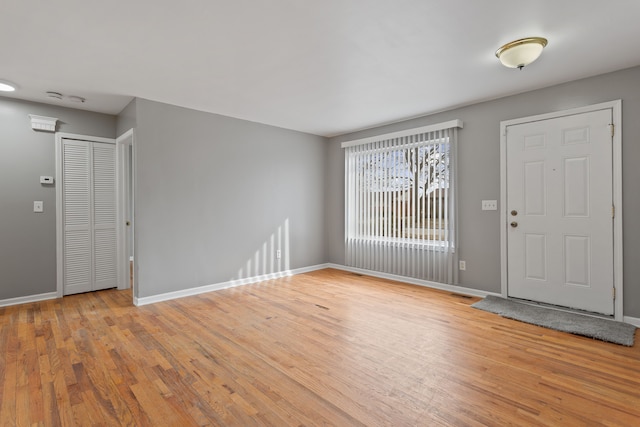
[
  {"x": 105, "y": 271},
  {"x": 89, "y": 216}
]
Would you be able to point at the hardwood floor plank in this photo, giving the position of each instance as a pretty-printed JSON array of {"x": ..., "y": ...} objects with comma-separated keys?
[
  {"x": 323, "y": 348},
  {"x": 159, "y": 409},
  {"x": 51, "y": 408},
  {"x": 62, "y": 400},
  {"x": 36, "y": 405},
  {"x": 11, "y": 372}
]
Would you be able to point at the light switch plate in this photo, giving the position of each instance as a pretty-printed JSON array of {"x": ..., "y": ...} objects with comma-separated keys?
[
  {"x": 489, "y": 205},
  {"x": 38, "y": 206}
]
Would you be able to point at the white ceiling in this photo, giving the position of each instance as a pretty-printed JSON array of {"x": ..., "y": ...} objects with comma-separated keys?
[{"x": 324, "y": 67}]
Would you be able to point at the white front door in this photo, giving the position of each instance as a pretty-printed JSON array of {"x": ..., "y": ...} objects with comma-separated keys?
[{"x": 559, "y": 211}]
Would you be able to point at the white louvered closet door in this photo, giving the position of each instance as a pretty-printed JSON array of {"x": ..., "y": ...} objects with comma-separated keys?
[
  {"x": 105, "y": 270},
  {"x": 89, "y": 216},
  {"x": 76, "y": 176}
]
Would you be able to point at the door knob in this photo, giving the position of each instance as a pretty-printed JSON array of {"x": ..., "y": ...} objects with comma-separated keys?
[
  {"x": 514, "y": 224},
  {"x": 514, "y": 213}
]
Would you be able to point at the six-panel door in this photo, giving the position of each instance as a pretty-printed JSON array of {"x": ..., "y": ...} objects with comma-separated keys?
[{"x": 559, "y": 209}]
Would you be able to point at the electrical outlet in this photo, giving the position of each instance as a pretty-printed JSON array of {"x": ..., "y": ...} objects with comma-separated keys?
[
  {"x": 278, "y": 254},
  {"x": 463, "y": 265},
  {"x": 38, "y": 206},
  {"x": 489, "y": 205}
]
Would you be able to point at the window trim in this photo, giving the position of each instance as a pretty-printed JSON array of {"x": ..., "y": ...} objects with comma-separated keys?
[{"x": 408, "y": 132}]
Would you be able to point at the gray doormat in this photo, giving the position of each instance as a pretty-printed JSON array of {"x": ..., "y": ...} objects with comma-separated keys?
[{"x": 594, "y": 327}]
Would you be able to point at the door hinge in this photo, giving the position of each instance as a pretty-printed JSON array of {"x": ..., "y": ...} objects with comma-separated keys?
[
  {"x": 613, "y": 129},
  {"x": 614, "y": 293},
  {"x": 613, "y": 211}
]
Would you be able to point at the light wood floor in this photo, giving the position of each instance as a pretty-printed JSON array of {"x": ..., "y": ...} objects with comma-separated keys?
[{"x": 324, "y": 348}]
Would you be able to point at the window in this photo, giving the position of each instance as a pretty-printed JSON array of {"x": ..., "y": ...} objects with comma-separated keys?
[{"x": 400, "y": 195}]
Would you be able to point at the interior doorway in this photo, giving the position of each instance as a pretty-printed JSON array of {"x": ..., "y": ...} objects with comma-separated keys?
[{"x": 126, "y": 213}]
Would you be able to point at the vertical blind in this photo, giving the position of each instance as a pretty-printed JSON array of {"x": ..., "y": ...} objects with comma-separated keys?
[{"x": 400, "y": 203}]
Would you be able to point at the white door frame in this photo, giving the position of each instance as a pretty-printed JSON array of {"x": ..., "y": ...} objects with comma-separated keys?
[
  {"x": 123, "y": 142},
  {"x": 59, "y": 213},
  {"x": 616, "y": 107}
]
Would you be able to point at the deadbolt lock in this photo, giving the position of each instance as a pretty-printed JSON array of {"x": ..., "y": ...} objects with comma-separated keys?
[{"x": 514, "y": 212}]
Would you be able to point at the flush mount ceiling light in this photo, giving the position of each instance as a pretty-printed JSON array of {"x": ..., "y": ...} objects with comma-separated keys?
[
  {"x": 6, "y": 86},
  {"x": 520, "y": 53}
]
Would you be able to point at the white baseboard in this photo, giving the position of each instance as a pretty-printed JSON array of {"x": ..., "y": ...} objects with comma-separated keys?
[
  {"x": 240, "y": 282},
  {"x": 434, "y": 285},
  {"x": 444, "y": 287},
  {"x": 635, "y": 321},
  {"x": 224, "y": 285},
  {"x": 28, "y": 299}
]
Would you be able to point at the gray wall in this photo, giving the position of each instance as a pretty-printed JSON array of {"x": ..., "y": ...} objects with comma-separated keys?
[
  {"x": 127, "y": 119},
  {"x": 211, "y": 191},
  {"x": 28, "y": 239},
  {"x": 479, "y": 173}
]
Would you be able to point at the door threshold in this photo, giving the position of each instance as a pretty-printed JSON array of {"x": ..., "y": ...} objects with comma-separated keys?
[{"x": 561, "y": 308}]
